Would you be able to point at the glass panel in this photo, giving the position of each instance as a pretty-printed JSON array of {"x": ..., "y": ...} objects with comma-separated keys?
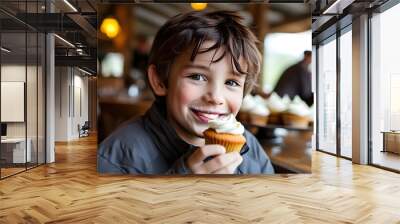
[
  {"x": 22, "y": 77},
  {"x": 31, "y": 97},
  {"x": 385, "y": 86},
  {"x": 327, "y": 97},
  {"x": 346, "y": 94},
  {"x": 15, "y": 150},
  {"x": 41, "y": 98},
  {"x": 31, "y": 86},
  {"x": 13, "y": 87}
]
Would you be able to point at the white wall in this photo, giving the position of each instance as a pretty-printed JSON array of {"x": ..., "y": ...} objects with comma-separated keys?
[
  {"x": 62, "y": 81},
  {"x": 71, "y": 93}
]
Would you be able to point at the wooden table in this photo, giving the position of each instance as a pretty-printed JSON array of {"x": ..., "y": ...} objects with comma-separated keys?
[
  {"x": 391, "y": 141},
  {"x": 291, "y": 159},
  {"x": 293, "y": 154}
]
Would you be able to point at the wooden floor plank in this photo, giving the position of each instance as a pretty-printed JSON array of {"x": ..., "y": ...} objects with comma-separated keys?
[{"x": 70, "y": 191}]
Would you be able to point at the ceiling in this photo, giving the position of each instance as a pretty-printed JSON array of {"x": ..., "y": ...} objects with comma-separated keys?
[
  {"x": 22, "y": 20},
  {"x": 330, "y": 16},
  {"x": 78, "y": 26}
]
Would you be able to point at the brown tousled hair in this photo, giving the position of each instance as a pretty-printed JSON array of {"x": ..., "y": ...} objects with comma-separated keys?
[{"x": 192, "y": 29}]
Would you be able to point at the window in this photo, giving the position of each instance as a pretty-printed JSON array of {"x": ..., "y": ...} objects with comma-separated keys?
[
  {"x": 327, "y": 96},
  {"x": 385, "y": 89},
  {"x": 346, "y": 94}
]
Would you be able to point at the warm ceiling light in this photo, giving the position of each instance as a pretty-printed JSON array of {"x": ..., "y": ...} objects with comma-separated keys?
[
  {"x": 110, "y": 27},
  {"x": 198, "y": 6}
]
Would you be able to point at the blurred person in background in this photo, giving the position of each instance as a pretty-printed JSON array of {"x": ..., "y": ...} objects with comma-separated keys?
[{"x": 296, "y": 80}]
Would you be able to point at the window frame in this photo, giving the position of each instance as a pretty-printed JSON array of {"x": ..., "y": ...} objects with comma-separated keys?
[{"x": 346, "y": 26}]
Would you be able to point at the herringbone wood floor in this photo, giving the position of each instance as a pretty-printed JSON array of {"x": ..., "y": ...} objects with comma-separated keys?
[{"x": 70, "y": 191}]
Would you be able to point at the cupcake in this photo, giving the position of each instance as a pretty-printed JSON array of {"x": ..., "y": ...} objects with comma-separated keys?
[
  {"x": 259, "y": 115},
  {"x": 226, "y": 132},
  {"x": 247, "y": 105},
  {"x": 297, "y": 114},
  {"x": 276, "y": 105}
]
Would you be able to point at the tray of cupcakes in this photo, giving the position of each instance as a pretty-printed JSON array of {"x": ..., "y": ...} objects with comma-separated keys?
[{"x": 276, "y": 112}]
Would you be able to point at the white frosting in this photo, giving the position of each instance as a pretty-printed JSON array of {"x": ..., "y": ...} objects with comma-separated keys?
[
  {"x": 227, "y": 125},
  {"x": 260, "y": 100},
  {"x": 299, "y": 107},
  {"x": 248, "y": 103},
  {"x": 286, "y": 100},
  {"x": 276, "y": 104},
  {"x": 261, "y": 110}
]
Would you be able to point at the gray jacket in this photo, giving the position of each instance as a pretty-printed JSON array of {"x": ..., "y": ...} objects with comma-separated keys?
[{"x": 149, "y": 145}]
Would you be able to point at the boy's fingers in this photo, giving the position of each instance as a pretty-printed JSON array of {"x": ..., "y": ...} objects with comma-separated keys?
[
  {"x": 198, "y": 156},
  {"x": 220, "y": 162},
  {"x": 230, "y": 168}
]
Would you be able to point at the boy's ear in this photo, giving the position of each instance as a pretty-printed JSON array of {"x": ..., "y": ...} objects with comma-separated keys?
[{"x": 156, "y": 84}]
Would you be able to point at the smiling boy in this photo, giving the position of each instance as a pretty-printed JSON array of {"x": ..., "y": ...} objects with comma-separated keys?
[{"x": 201, "y": 66}]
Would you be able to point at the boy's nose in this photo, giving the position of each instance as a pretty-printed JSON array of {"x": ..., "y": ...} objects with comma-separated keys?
[{"x": 214, "y": 96}]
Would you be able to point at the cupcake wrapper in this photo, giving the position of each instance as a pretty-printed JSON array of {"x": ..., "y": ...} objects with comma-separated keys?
[
  {"x": 230, "y": 146},
  {"x": 295, "y": 121},
  {"x": 258, "y": 120}
]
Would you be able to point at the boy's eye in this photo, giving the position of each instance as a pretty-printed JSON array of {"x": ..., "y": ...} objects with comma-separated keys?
[
  {"x": 232, "y": 83},
  {"x": 199, "y": 77}
]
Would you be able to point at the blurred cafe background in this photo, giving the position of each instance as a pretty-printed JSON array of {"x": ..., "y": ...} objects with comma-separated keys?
[{"x": 284, "y": 30}]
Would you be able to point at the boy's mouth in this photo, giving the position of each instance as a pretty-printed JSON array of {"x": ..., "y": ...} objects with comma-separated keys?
[{"x": 205, "y": 116}]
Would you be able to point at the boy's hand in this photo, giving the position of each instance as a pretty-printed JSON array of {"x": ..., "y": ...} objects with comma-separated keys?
[{"x": 221, "y": 163}]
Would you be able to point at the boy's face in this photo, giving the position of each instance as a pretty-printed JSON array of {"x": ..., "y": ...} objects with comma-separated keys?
[{"x": 200, "y": 90}]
